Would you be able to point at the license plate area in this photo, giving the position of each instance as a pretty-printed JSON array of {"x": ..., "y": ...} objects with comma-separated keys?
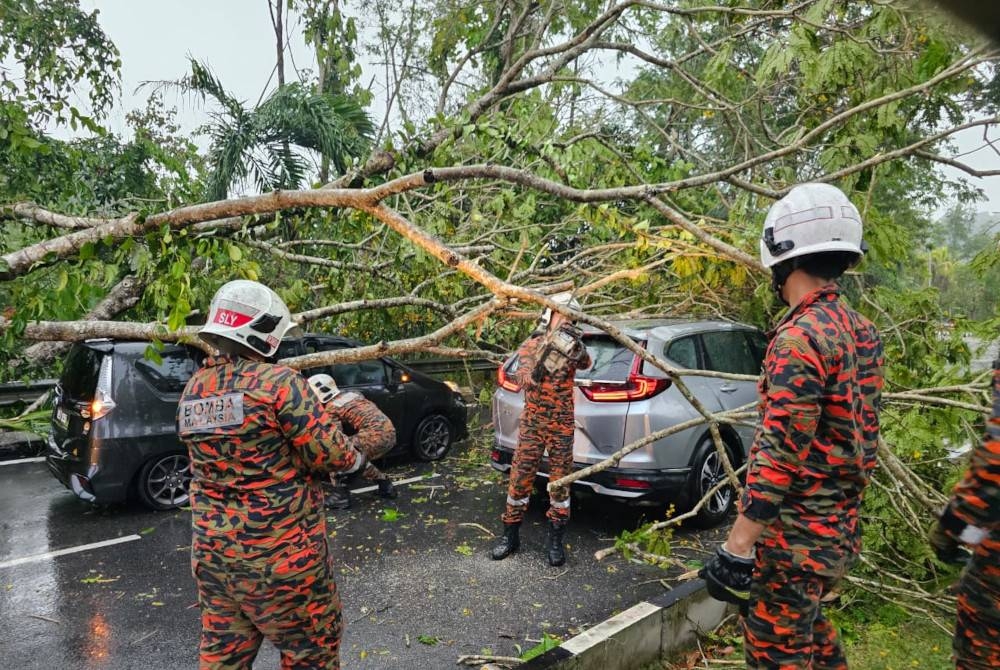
[{"x": 61, "y": 418}]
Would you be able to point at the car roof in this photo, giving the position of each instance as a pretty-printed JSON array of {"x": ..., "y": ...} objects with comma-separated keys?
[{"x": 667, "y": 329}]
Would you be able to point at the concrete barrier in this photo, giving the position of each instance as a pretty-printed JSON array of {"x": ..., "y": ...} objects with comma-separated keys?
[{"x": 641, "y": 635}]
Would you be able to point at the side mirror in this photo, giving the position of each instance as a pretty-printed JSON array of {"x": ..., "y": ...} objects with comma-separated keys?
[{"x": 400, "y": 376}]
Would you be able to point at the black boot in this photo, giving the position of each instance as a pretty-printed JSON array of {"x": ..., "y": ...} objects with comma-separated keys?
[
  {"x": 509, "y": 543},
  {"x": 555, "y": 549},
  {"x": 339, "y": 497},
  {"x": 386, "y": 489}
]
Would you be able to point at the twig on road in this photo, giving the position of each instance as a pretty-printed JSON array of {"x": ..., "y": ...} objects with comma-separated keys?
[
  {"x": 558, "y": 575},
  {"x": 45, "y": 618},
  {"x": 480, "y": 527},
  {"x": 145, "y": 637},
  {"x": 368, "y": 613},
  {"x": 476, "y": 659}
]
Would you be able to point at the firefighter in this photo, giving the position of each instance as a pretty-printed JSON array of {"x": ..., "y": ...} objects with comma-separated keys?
[
  {"x": 797, "y": 530},
  {"x": 547, "y": 365},
  {"x": 260, "y": 444},
  {"x": 972, "y": 518},
  {"x": 371, "y": 432}
]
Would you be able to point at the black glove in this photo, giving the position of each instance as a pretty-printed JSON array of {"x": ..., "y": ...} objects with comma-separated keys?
[
  {"x": 944, "y": 539},
  {"x": 727, "y": 578}
]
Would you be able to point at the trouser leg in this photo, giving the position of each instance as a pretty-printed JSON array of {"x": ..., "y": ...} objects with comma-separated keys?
[
  {"x": 560, "y": 448},
  {"x": 976, "y": 644},
  {"x": 785, "y": 629},
  {"x": 299, "y": 609},
  {"x": 522, "y": 474},
  {"x": 229, "y": 641}
]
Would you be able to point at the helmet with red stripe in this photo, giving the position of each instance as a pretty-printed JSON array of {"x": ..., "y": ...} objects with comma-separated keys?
[{"x": 249, "y": 314}]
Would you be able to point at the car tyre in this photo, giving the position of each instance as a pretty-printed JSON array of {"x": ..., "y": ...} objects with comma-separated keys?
[
  {"x": 164, "y": 482},
  {"x": 706, "y": 471},
  {"x": 433, "y": 437}
]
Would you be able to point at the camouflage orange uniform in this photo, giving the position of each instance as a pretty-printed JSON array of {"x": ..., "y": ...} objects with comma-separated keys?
[
  {"x": 371, "y": 432},
  {"x": 259, "y": 444},
  {"x": 546, "y": 425},
  {"x": 809, "y": 465},
  {"x": 976, "y": 503}
]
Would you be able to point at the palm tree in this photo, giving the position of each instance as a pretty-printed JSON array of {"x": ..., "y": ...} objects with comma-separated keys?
[{"x": 256, "y": 145}]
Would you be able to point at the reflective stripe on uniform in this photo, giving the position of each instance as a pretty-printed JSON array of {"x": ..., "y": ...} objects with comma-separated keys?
[
  {"x": 518, "y": 502},
  {"x": 561, "y": 504}
]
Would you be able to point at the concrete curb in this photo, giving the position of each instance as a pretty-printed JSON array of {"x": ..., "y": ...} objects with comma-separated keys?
[{"x": 641, "y": 635}]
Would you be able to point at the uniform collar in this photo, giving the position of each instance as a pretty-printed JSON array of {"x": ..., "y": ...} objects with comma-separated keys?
[
  {"x": 828, "y": 293},
  {"x": 221, "y": 359}
]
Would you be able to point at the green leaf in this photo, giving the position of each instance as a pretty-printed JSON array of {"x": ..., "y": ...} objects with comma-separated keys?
[
  {"x": 235, "y": 254},
  {"x": 548, "y": 642},
  {"x": 430, "y": 640},
  {"x": 390, "y": 514}
]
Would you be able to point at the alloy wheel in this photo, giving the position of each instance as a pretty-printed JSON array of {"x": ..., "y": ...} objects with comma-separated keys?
[{"x": 712, "y": 473}]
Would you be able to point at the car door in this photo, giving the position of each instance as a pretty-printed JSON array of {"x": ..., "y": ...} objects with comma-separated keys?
[
  {"x": 731, "y": 350},
  {"x": 371, "y": 378}
]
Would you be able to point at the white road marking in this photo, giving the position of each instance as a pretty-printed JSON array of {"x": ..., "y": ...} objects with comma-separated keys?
[
  {"x": 37, "y": 459},
  {"x": 71, "y": 550},
  {"x": 411, "y": 480}
]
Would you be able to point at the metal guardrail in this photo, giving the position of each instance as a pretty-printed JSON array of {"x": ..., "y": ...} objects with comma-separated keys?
[
  {"x": 448, "y": 365},
  {"x": 24, "y": 392}
]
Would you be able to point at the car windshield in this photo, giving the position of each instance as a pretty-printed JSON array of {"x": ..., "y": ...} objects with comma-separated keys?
[
  {"x": 79, "y": 377},
  {"x": 611, "y": 361}
]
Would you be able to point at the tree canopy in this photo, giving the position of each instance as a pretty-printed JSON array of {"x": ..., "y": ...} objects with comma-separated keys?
[{"x": 627, "y": 149}]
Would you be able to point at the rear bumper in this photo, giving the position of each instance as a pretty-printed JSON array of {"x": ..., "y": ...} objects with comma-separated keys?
[
  {"x": 624, "y": 483},
  {"x": 92, "y": 483}
]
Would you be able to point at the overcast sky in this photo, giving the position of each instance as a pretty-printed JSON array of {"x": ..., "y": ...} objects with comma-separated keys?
[{"x": 236, "y": 39}]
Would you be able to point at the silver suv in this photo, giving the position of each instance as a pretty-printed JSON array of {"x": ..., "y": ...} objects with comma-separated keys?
[{"x": 622, "y": 398}]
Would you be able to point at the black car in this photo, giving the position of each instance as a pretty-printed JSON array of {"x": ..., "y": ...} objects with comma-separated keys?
[{"x": 113, "y": 421}]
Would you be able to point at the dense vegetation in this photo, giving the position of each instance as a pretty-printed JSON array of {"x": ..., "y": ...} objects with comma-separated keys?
[{"x": 631, "y": 149}]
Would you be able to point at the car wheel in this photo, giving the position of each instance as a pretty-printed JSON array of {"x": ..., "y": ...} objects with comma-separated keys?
[
  {"x": 432, "y": 438},
  {"x": 163, "y": 482},
  {"x": 706, "y": 472}
]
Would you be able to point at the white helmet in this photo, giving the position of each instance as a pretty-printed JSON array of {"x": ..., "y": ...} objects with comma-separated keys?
[
  {"x": 325, "y": 387},
  {"x": 566, "y": 298},
  {"x": 247, "y": 313},
  {"x": 811, "y": 219}
]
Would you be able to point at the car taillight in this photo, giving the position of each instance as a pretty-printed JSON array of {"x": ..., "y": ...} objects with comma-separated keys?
[
  {"x": 505, "y": 381},
  {"x": 102, "y": 402},
  {"x": 637, "y": 387}
]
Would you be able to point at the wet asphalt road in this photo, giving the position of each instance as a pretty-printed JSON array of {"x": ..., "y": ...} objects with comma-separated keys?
[{"x": 407, "y": 578}]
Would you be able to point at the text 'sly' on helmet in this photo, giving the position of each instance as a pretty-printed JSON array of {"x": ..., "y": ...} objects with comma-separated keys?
[
  {"x": 566, "y": 298},
  {"x": 325, "y": 387},
  {"x": 811, "y": 219},
  {"x": 248, "y": 313}
]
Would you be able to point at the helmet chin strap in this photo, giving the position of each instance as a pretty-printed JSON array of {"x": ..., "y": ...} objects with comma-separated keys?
[{"x": 779, "y": 275}]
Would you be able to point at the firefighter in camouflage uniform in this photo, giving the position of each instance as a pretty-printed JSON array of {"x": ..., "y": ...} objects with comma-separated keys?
[
  {"x": 369, "y": 431},
  {"x": 547, "y": 365},
  {"x": 797, "y": 531},
  {"x": 972, "y": 518},
  {"x": 260, "y": 443}
]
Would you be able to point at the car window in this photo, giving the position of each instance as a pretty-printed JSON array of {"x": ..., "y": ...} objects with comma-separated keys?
[
  {"x": 360, "y": 373},
  {"x": 611, "y": 361},
  {"x": 758, "y": 345},
  {"x": 79, "y": 376},
  {"x": 171, "y": 373},
  {"x": 684, "y": 352},
  {"x": 729, "y": 351}
]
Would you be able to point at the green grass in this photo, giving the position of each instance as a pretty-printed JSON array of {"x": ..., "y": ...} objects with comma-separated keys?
[
  {"x": 870, "y": 646},
  {"x": 913, "y": 644}
]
